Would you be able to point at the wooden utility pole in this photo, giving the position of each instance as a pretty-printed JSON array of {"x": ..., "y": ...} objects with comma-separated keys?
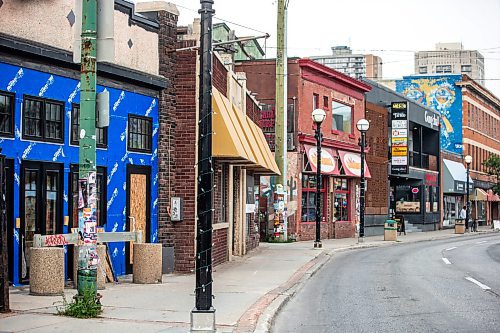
[{"x": 280, "y": 127}]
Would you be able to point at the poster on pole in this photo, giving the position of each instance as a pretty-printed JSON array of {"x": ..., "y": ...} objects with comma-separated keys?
[{"x": 399, "y": 138}]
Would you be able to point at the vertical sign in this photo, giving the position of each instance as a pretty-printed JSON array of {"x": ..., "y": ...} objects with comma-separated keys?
[{"x": 399, "y": 138}]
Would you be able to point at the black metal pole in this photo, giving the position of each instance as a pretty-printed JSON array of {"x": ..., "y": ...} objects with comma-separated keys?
[
  {"x": 467, "y": 198},
  {"x": 362, "y": 190},
  {"x": 4, "y": 257},
  {"x": 205, "y": 166},
  {"x": 317, "y": 242}
]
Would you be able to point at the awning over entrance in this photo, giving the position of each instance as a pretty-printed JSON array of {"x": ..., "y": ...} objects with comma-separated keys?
[
  {"x": 237, "y": 139},
  {"x": 351, "y": 162},
  {"x": 329, "y": 164},
  {"x": 492, "y": 196},
  {"x": 479, "y": 195},
  {"x": 455, "y": 178}
]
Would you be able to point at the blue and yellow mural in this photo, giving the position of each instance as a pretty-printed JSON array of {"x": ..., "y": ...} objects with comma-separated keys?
[
  {"x": 443, "y": 95},
  {"x": 27, "y": 82}
]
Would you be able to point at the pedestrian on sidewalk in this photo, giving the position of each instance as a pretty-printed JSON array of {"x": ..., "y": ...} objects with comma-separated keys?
[{"x": 463, "y": 216}]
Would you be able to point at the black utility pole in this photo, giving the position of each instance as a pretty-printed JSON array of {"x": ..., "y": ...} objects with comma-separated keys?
[
  {"x": 205, "y": 165},
  {"x": 4, "y": 257}
]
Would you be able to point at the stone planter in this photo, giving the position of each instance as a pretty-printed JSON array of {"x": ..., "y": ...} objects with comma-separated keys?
[
  {"x": 46, "y": 271},
  {"x": 147, "y": 263}
]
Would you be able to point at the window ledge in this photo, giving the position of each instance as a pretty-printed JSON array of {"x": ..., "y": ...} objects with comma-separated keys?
[
  {"x": 335, "y": 132},
  {"x": 222, "y": 225}
]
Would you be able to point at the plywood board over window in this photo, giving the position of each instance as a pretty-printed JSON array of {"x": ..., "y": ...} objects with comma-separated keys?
[{"x": 138, "y": 206}]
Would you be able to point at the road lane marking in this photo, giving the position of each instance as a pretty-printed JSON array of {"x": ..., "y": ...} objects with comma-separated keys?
[
  {"x": 451, "y": 248},
  {"x": 482, "y": 286},
  {"x": 482, "y": 242},
  {"x": 446, "y": 261}
]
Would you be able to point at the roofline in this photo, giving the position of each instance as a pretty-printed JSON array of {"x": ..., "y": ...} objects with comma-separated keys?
[
  {"x": 467, "y": 82},
  {"x": 411, "y": 101},
  {"x": 331, "y": 73}
]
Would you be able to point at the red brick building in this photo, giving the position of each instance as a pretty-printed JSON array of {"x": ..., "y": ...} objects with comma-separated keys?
[
  {"x": 310, "y": 86},
  {"x": 481, "y": 138},
  {"x": 239, "y": 148}
]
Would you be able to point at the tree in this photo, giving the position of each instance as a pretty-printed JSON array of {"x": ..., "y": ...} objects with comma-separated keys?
[{"x": 493, "y": 166}]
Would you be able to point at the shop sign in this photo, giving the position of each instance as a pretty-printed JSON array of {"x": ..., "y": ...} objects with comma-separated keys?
[
  {"x": 459, "y": 186},
  {"x": 353, "y": 163},
  {"x": 414, "y": 190},
  {"x": 431, "y": 179},
  {"x": 400, "y": 133},
  {"x": 400, "y": 160},
  {"x": 327, "y": 160},
  {"x": 408, "y": 206},
  {"x": 400, "y": 142},
  {"x": 400, "y": 151},
  {"x": 399, "y": 137}
]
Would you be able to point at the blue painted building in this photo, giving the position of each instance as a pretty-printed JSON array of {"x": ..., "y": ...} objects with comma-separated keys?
[{"x": 39, "y": 106}]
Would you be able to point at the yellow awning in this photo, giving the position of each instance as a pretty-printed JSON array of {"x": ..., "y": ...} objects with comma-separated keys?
[
  {"x": 264, "y": 148},
  {"x": 226, "y": 141},
  {"x": 238, "y": 139}
]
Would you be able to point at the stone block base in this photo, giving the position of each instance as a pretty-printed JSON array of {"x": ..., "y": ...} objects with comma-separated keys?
[
  {"x": 203, "y": 321},
  {"x": 46, "y": 271},
  {"x": 147, "y": 263}
]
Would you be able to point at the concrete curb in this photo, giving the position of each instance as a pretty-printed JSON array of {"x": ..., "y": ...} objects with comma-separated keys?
[{"x": 287, "y": 290}]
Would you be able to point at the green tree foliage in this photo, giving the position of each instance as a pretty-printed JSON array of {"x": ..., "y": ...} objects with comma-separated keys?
[{"x": 493, "y": 166}]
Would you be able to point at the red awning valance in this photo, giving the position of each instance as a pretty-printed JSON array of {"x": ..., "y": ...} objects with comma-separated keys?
[
  {"x": 329, "y": 163},
  {"x": 351, "y": 162}
]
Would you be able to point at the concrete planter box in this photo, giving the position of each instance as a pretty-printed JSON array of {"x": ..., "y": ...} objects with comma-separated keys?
[
  {"x": 147, "y": 268},
  {"x": 46, "y": 271}
]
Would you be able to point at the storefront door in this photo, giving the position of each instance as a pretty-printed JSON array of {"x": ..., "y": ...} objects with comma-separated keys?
[
  {"x": 138, "y": 206},
  {"x": 41, "y": 206}
]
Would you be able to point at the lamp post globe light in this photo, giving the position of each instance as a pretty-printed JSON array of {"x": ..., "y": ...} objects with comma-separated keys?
[
  {"x": 362, "y": 125},
  {"x": 318, "y": 116},
  {"x": 468, "y": 161}
]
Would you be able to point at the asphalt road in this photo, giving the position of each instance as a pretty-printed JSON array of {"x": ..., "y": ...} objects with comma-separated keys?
[{"x": 450, "y": 285}]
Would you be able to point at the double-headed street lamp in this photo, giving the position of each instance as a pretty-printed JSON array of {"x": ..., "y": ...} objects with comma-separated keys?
[
  {"x": 318, "y": 115},
  {"x": 468, "y": 161},
  {"x": 362, "y": 125}
]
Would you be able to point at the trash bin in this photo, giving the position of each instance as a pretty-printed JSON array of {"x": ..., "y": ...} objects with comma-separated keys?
[
  {"x": 390, "y": 230},
  {"x": 459, "y": 226}
]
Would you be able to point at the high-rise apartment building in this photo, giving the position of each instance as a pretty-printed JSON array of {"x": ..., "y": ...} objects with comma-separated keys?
[
  {"x": 355, "y": 65},
  {"x": 451, "y": 58}
]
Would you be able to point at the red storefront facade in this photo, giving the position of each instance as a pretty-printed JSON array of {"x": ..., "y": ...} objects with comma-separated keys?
[{"x": 310, "y": 86}]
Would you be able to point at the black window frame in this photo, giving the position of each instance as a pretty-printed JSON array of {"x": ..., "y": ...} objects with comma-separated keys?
[
  {"x": 75, "y": 141},
  {"x": 10, "y": 113},
  {"x": 149, "y": 136},
  {"x": 43, "y": 135}
]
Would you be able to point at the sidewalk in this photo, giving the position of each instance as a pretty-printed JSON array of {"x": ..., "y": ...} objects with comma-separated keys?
[{"x": 248, "y": 291}]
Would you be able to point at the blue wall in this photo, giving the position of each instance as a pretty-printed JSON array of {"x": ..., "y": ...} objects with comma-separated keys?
[
  {"x": 441, "y": 93},
  {"x": 115, "y": 158}
]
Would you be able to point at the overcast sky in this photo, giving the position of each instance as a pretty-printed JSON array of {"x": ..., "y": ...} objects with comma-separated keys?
[{"x": 391, "y": 29}]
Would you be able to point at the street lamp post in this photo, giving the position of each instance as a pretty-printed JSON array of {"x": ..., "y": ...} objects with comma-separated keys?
[
  {"x": 362, "y": 125},
  {"x": 318, "y": 115},
  {"x": 468, "y": 160}
]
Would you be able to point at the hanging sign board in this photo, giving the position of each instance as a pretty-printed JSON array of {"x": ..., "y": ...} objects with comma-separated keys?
[{"x": 399, "y": 137}]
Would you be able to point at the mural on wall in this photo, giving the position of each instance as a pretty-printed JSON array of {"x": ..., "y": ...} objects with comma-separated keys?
[
  {"x": 443, "y": 95},
  {"x": 26, "y": 82}
]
